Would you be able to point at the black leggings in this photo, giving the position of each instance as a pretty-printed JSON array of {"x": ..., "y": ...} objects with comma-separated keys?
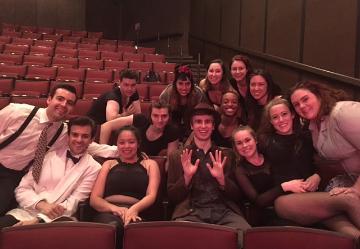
[
  {"x": 109, "y": 218},
  {"x": 9, "y": 180}
]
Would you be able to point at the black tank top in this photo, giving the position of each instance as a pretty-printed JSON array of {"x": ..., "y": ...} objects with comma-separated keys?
[{"x": 129, "y": 179}]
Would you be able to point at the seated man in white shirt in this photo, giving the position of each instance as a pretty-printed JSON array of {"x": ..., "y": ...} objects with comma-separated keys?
[{"x": 67, "y": 177}]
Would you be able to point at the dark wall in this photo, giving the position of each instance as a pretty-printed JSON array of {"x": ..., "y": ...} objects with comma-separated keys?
[
  {"x": 116, "y": 18},
  {"x": 294, "y": 39},
  {"x": 105, "y": 16},
  {"x": 45, "y": 13},
  {"x": 161, "y": 17}
]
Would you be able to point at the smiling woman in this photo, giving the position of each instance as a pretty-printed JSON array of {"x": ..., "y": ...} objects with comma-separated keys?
[
  {"x": 260, "y": 91},
  {"x": 182, "y": 95},
  {"x": 127, "y": 186},
  {"x": 215, "y": 84},
  {"x": 231, "y": 117},
  {"x": 334, "y": 125},
  {"x": 287, "y": 147}
]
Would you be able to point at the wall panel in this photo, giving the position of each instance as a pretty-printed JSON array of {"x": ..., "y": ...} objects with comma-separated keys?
[
  {"x": 230, "y": 22},
  {"x": 197, "y": 17},
  {"x": 330, "y": 35},
  {"x": 212, "y": 23},
  {"x": 283, "y": 32},
  {"x": 283, "y": 76},
  {"x": 26, "y": 12},
  {"x": 54, "y": 13},
  {"x": 252, "y": 24},
  {"x": 211, "y": 52}
]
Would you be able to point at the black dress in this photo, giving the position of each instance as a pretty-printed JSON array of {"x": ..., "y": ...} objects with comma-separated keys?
[
  {"x": 290, "y": 156},
  {"x": 257, "y": 183}
]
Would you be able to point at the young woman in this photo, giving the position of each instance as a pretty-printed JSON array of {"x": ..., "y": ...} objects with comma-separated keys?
[
  {"x": 335, "y": 133},
  {"x": 157, "y": 133},
  {"x": 240, "y": 69},
  {"x": 288, "y": 148},
  {"x": 231, "y": 117},
  {"x": 182, "y": 95},
  {"x": 215, "y": 84},
  {"x": 253, "y": 173},
  {"x": 261, "y": 90},
  {"x": 126, "y": 186}
]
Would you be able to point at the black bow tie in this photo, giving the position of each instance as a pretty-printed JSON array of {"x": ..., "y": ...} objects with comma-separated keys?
[{"x": 74, "y": 159}]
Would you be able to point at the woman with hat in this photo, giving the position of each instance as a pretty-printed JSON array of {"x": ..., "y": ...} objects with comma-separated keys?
[{"x": 182, "y": 95}]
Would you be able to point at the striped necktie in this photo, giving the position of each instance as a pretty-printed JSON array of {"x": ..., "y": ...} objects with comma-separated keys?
[{"x": 40, "y": 153}]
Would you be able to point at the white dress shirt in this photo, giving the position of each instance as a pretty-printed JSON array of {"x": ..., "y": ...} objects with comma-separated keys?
[
  {"x": 61, "y": 182},
  {"x": 21, "y": 151},
  {"x": 338, "y": 136}
]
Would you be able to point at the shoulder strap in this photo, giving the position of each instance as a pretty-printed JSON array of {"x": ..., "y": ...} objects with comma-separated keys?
[
  {"x": 55, "y": 137},
  {"x": 10, "y": 139}
]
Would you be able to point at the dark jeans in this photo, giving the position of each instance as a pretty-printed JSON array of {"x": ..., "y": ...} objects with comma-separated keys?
[
  {"x": 230, "y": 219},
  {"x": 9, "y": 180}
]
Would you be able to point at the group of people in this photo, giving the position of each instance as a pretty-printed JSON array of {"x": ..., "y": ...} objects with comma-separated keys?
[{"x": 227, "y": 141}]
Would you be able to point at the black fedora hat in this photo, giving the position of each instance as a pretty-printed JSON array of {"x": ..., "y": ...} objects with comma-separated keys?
[{"x": 206, "y": 109}]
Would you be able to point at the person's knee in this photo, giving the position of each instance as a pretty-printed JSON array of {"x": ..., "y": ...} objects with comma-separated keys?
[{"x": 280, "y": 205}]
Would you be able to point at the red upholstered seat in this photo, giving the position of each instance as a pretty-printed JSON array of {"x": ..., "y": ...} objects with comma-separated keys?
[
  {"x": 178, "y": 235},
  {"x": 59, "y": 235},
  {"x": 286, "y": 237}
]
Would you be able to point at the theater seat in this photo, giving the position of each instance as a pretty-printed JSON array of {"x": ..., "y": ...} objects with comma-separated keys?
[
  {"x": 59, "y": 235},
  {"x": 286, "y": 237},
  {"x": 4, "y": 101},
  {"x": 178, "y": 235},
  {"x": 155, "y": 90}
]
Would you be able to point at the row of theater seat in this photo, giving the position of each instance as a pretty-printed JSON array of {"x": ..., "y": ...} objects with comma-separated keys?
[
  {"x": 42, "y": 56},
  {"x": 87, "y": 90},
  {"x": 166, "y": 234},
  {"x": 46, "y": 33},
  {"x": 88, "y": 70},
  {"x": 49, "y": 47},
  {"x": 25, "y": 29}
]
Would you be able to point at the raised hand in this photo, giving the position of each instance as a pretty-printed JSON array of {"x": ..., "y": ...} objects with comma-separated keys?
[
  {"x": 217, "y": 168},
  {"x": 188, "y": 168}
]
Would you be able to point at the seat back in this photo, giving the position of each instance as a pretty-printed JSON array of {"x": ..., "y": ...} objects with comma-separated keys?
[
  {"x": 59, "y": 235},
  {"x": 178, "y": 235},
  {"x": 285, "y": 237}
]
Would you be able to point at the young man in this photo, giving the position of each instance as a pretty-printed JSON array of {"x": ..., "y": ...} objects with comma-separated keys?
[
  {"x": 16, "y": 157},
  {"x": 200, "y": 177},
  {"x": 157, "y": 133},
  {"x": 67, "y": 177},
  {"x": 119, "y": 102}
]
